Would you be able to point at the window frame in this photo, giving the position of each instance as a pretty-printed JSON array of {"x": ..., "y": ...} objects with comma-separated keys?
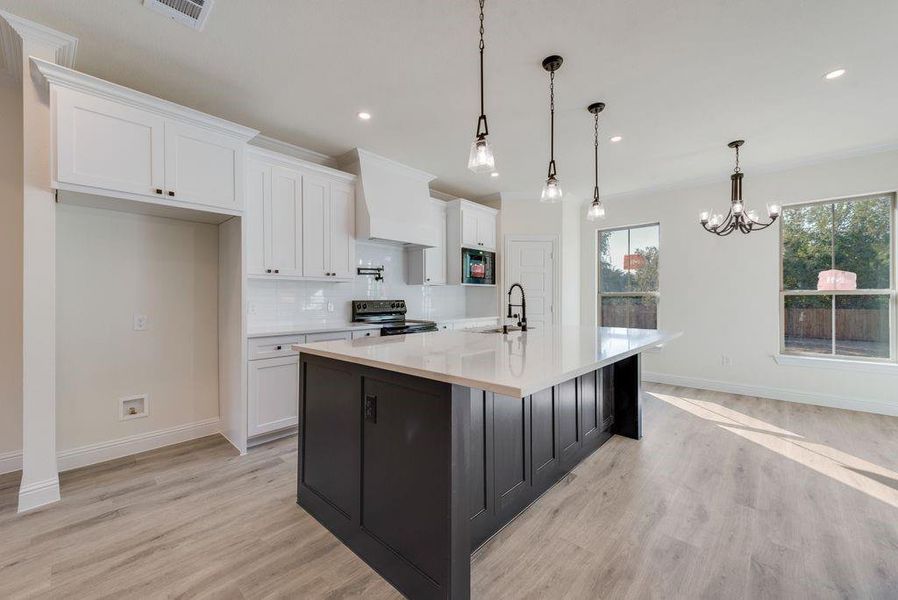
[
  {"x": 599, "y": 293},
  {"x": 891, "y": 291}
]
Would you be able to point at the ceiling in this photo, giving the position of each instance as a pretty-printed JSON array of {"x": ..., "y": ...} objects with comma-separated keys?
[{"x": 680, "y": 79}]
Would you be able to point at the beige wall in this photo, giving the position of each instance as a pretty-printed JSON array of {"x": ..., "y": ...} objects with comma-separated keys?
[
  {"x": 723, "y": 293},
  {"x": 111, "y": 265},
  {"x": 10, "y": 266}
]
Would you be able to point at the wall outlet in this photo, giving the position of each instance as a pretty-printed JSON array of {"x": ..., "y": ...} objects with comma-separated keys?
[
  {"x": 141, "y": 322},
  {"x": 251, "y": 308},
  {"x": 330, "y": 307},
  {"x": 726, "y": 360}
]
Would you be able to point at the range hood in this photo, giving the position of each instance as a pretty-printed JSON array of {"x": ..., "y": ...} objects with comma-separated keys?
[{"x": 392, "y": 200}]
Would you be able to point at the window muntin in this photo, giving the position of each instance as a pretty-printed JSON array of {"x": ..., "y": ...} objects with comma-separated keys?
[
  {"x": 838, "y": 280},
  {"x": 628, "y": 260}
]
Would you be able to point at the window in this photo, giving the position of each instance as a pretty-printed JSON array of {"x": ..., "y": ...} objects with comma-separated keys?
[
  {"x": 628, "y": 277},
  {"x": 838, "y": 278}
]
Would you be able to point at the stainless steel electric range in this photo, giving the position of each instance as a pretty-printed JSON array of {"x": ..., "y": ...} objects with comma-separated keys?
[{"x": 389, "y": 313}]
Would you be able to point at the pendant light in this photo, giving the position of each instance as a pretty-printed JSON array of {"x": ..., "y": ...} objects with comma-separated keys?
[
  {"x": 596, "y": 209},
  {"x": 552, "y": 190},
  {"x": 738, "y": 218},
  {"x": 481, "y": 159}
]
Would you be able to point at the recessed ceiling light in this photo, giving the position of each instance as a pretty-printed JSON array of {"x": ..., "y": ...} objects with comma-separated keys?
[
  {"x": 364, "y": 116},
  {"x": 834, "y": 74},
  {"x": 616, "y": 138},
  {"x": 494, "y": 174}
]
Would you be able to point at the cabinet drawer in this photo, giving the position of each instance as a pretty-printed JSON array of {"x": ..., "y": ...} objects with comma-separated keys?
[
  {"x": 272, "y": 347},
  {"x": 366, "y": 333},
  {"x": 329, "y": 336}
]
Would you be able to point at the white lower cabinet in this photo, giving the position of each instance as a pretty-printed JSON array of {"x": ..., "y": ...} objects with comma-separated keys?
[
  {"x": 329, "y": 336},
  {"x": 273, "y": 394}
]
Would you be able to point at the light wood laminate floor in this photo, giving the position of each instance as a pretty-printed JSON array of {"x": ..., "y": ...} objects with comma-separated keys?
[{"x": 725, "y": 497}]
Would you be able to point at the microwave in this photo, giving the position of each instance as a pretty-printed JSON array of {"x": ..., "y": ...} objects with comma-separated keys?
[{"x": 478, "y": 267}]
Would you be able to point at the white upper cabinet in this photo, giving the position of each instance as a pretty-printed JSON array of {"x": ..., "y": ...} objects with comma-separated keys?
[
  {"x": 258, "y": 192},
  {"x": 108, "y": 145},
  {"x": 283, "y": 223},
  {"x": 202, "y": 166},
  {"x": 302, "y": 216},
  {"x": 342, "y": 230},
  {"x": 112, "y": 141},
  {"x": 478, "y": 227},
  {"x": 315, "y": 248},
  {"x": 427, "y": 266}
]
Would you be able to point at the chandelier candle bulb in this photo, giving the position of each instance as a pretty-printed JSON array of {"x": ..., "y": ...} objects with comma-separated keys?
[
  {"x": 773, "y": 210},
  {"x": 704, "y": 216}
]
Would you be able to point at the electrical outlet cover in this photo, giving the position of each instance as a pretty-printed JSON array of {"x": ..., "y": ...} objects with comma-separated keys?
[{"x": 141, "y": 322}]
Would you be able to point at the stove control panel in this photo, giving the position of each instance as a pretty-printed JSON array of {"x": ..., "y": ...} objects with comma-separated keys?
[{"x": 363, "y": 308}]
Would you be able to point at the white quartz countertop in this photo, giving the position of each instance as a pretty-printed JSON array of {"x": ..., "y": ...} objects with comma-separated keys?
[
  {"x": 517, "y": 364},
  {"x": 326, "y": 325}
]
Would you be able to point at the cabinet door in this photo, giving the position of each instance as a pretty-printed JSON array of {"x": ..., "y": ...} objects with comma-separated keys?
[
  {"x": 469, "y": 228},
  {"x": 435, "y": 258},
  {"x": 283, "y": 224},
  {"x": 486, "y": 231},
  {"x": 203, "y": 167},
  {"x": 315, "y": 226},
  {"x": 273, "y": 394},
  {"x": 258, "y": 191},
  {"x": 103, "y": 144},
  {"x": 342, "y": 230}
]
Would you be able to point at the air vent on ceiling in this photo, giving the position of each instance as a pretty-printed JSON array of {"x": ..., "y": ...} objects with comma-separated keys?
[{"x": 192, "y": 13}]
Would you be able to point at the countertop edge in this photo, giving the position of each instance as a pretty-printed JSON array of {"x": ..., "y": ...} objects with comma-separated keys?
[{"x": 514, "y": 392}]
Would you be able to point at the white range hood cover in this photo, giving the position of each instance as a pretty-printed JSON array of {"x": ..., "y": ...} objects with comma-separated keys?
[{"x": 392, "y": 200}]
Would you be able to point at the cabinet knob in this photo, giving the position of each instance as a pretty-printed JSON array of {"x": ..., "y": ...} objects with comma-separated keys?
[
  {"x": 158, "y": 191},
  {"x": 427, "y": 279},
  {"x": 171, "y": 193},
  {"x": 277, "y": 270},
  {"x": 268, "y": 270},
  {"x": 278, "y": 348}
]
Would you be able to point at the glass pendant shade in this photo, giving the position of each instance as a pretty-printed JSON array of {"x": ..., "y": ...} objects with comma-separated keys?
[
  {"x": 596, "y": 211},
  {"x": 551, "y": 191},
  {"x": 481, "y": 159}
]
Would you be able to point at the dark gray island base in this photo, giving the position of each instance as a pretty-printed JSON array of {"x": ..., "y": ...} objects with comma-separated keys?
[{"x": 414, "y": 474}]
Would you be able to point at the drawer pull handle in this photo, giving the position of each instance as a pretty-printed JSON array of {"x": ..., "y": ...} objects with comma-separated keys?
[
  {"x": 279, "y": 348},
  {"x": 171, "y": 193},
  {"x": 158, "y": 191}
]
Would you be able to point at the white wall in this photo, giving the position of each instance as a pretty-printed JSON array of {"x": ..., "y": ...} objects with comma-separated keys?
[
  {"x": 10, "y": 270},
  {"x": 111, "y": 265},
  {"x": 723, "y": 293},
  {"x": 287, "y": 303}
]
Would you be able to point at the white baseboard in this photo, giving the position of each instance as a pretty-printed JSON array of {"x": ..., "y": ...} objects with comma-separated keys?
[
  {"x": 37, "y": 494},
  {"x": 97, "y": 453},
  {"x": 10, "y": 461},
  {"x": 270, "y": 437},
  {"x": 787, "y": 395}
]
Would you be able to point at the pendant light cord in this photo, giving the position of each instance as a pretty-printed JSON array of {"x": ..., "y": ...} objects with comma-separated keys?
[
  {"x": 481, "y": 121},
  {"x": 551, "y": 124},
  {"x": 737, "y": 169},
  {"x": 595, "y": 145}
]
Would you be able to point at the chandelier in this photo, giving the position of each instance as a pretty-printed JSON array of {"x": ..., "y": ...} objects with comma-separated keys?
[{"x": 738, "y": 217}]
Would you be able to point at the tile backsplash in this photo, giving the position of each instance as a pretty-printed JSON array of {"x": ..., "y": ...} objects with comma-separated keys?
[{"x": 288, "y": 303}]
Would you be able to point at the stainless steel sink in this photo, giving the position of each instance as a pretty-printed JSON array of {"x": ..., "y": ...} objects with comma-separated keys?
[{"x": 510, "y": 329}]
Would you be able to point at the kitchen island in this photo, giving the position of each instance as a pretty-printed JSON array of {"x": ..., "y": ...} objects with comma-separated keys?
[{"x": 415, "y": 449}]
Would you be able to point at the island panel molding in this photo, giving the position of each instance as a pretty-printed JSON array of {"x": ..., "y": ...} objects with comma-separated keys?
[{"x": 414, "y": 473}]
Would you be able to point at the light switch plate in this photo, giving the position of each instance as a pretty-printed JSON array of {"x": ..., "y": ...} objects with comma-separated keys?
[{"x": 141, "y": 322}]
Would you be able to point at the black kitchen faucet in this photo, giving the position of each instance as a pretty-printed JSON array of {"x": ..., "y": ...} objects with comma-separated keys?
[{"x": 522, "y": 318}]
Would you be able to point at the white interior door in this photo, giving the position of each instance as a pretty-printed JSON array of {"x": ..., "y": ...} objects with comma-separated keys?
[{"x": 532, "y": 264}]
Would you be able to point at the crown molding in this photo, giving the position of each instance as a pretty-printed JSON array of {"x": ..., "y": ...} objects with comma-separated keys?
[
  {"x": 304, "y": 154},
  {"x": 68, "y": 78},
  {"x": 15, "y": 32},
  {"x": 292, "y": 162}
]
